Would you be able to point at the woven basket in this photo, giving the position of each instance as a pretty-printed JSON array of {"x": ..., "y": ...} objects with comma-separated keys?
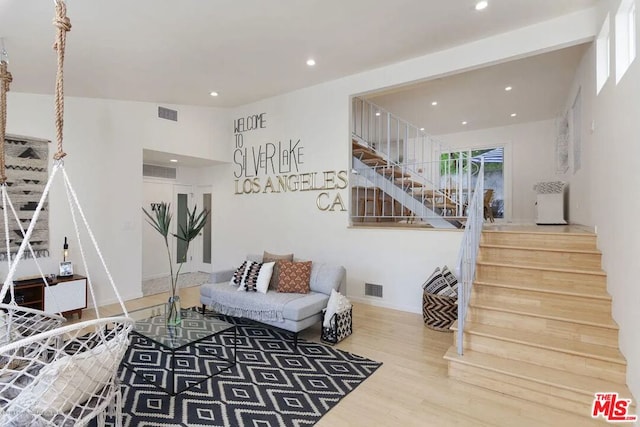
[{"x": 439, "y": 312}]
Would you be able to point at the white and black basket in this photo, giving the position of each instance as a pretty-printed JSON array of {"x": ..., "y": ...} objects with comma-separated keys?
[{"x": 341, "y": 326}]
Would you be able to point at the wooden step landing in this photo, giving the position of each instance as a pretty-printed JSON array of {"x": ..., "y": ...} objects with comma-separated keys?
[{"x": 552, "y": 387}]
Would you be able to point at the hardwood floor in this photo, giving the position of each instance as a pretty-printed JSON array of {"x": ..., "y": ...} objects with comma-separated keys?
[{"x": 411, "y": 388}]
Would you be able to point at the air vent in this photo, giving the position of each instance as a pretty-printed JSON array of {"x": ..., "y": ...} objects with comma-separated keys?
[
  {"x": 166, "y": 113},
  {"x": 158, "y": 171},
  {"x": 372, "y": 290}
]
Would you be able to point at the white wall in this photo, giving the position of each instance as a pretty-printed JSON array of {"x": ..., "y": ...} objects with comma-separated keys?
[
  {"x": 605, "y": 189},
  {"x": 529, "y": 151},
  {"x": 104, "y": 141}
]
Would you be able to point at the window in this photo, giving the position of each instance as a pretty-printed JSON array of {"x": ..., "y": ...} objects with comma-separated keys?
[
  {"x": 602, "y": 56},
  {"x": 625, "y": 37}
]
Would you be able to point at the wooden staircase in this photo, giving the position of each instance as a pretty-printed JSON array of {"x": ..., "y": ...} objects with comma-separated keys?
[
  {"x": 539, "y": 324},
  {"x": 433, "y": 199}
]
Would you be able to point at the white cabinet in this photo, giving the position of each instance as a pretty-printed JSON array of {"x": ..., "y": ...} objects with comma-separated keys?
[{"x": 66, "y": 296}]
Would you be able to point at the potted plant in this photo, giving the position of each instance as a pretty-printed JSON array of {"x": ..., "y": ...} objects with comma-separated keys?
[{"x": 160, "y": 219}]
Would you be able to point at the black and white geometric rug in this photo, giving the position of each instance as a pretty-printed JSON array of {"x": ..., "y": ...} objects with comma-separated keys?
[{"x": 272, "y": 383}]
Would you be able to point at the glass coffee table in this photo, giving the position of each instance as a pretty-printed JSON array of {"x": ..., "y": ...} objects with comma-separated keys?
[{"x": 156, "y": 346}]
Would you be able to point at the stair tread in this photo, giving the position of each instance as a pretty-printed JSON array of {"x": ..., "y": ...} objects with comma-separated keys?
[
  {"x": 587, "y": 318},
  {"x": 375, "y": 162},
  {"x": 561, "y": 379},
  {"x": 365, "y": 153},
  {"x": 408, "y": 183},
  {"x": 578, "y": 348},
  {"x": 541, "y": 249},
  {"x": 593, "y": 292},
  {"x": 554, "y": 233},
  {"x": 596, "y": 272}
]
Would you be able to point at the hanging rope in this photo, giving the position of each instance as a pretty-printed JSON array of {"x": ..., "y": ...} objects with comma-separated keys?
[
  {"x": 63, "y": 24},
  {"x": 5, "y": 81}
]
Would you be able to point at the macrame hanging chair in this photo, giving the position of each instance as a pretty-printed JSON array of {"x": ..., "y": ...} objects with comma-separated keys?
[
  {"x": 53, "y": 375},
  {"x": 16, "y": 321}
]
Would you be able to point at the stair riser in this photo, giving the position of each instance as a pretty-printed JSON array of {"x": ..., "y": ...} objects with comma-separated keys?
[
  {"x": 547, "y": 395},
  {"x": 587, "y": 261},
  {"x": 556, "y": 328},
  {"x": 561, "y": 280},
  {"x": 523, "y": 299},
  {"x": 555, "y": 241},
  {"x": 549, "y": 358}
]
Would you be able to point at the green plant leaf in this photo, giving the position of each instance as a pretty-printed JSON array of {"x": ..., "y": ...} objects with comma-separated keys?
[{"x": 161, "y": 221}]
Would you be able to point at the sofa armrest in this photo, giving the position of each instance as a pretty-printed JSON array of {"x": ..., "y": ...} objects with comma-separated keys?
[{"x": 222, "y": 276}]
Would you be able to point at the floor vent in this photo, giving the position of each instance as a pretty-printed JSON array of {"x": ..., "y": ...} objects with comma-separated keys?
[
  {"x": 158, "y": 171},
  {"x": 166, "y": 113},
  {"x": 372, "y": 290}
]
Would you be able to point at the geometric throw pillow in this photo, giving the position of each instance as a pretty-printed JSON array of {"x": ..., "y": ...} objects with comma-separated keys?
[
  {"x": 250, "y": 279},
  {"x": 269, "y": 257},
  {"x": 294, "y": 277},
  {"x": 436, "y": 284},
  {"x": 239, "y": 274},
  {"x": 450, "y": 278}
]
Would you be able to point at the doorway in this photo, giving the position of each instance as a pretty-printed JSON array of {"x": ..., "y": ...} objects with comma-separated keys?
[
  {"x": 198, "y": 256},
  {"x": 495, "y": 173}
]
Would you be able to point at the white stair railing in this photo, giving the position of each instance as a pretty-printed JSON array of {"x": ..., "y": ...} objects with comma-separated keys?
[
  {"x": 468, "y": 254},
  {"x": 422, "y": 162}
]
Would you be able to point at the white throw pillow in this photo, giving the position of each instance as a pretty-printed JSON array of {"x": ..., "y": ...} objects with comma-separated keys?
[
  {"x": 264, "y": 277},
  {"x": 71, "y": 380}
]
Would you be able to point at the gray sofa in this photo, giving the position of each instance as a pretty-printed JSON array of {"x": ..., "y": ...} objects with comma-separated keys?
[{"x": 291, "y": 312}]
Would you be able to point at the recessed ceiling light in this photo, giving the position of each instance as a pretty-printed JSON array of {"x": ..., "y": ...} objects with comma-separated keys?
[
  {"x": 311, "y": 62},
  {"x": 422, "y": 129},
  {"x": 434, "y": 103},
  {"x": 513, "y": 114},
  {"x": 378, "y": 113},
  {"x": 508, "y": 88},
  {"x": 481, "y": 5},
  {"x": 173, "y": 160},
  {"x": 214, "y": 93},
  {"x": 464, "y": 123}
]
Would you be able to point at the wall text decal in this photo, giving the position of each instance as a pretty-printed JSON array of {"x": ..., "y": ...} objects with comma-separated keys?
[{"x": 275, "y": 168}]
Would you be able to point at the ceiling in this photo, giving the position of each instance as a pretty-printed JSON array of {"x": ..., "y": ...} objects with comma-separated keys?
[
  {"x": 178, "y": 51},
  {"x": 540, "y": 87}
]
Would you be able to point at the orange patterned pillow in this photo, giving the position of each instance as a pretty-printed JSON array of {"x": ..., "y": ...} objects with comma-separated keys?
[{"x": 294, "y": 277}]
